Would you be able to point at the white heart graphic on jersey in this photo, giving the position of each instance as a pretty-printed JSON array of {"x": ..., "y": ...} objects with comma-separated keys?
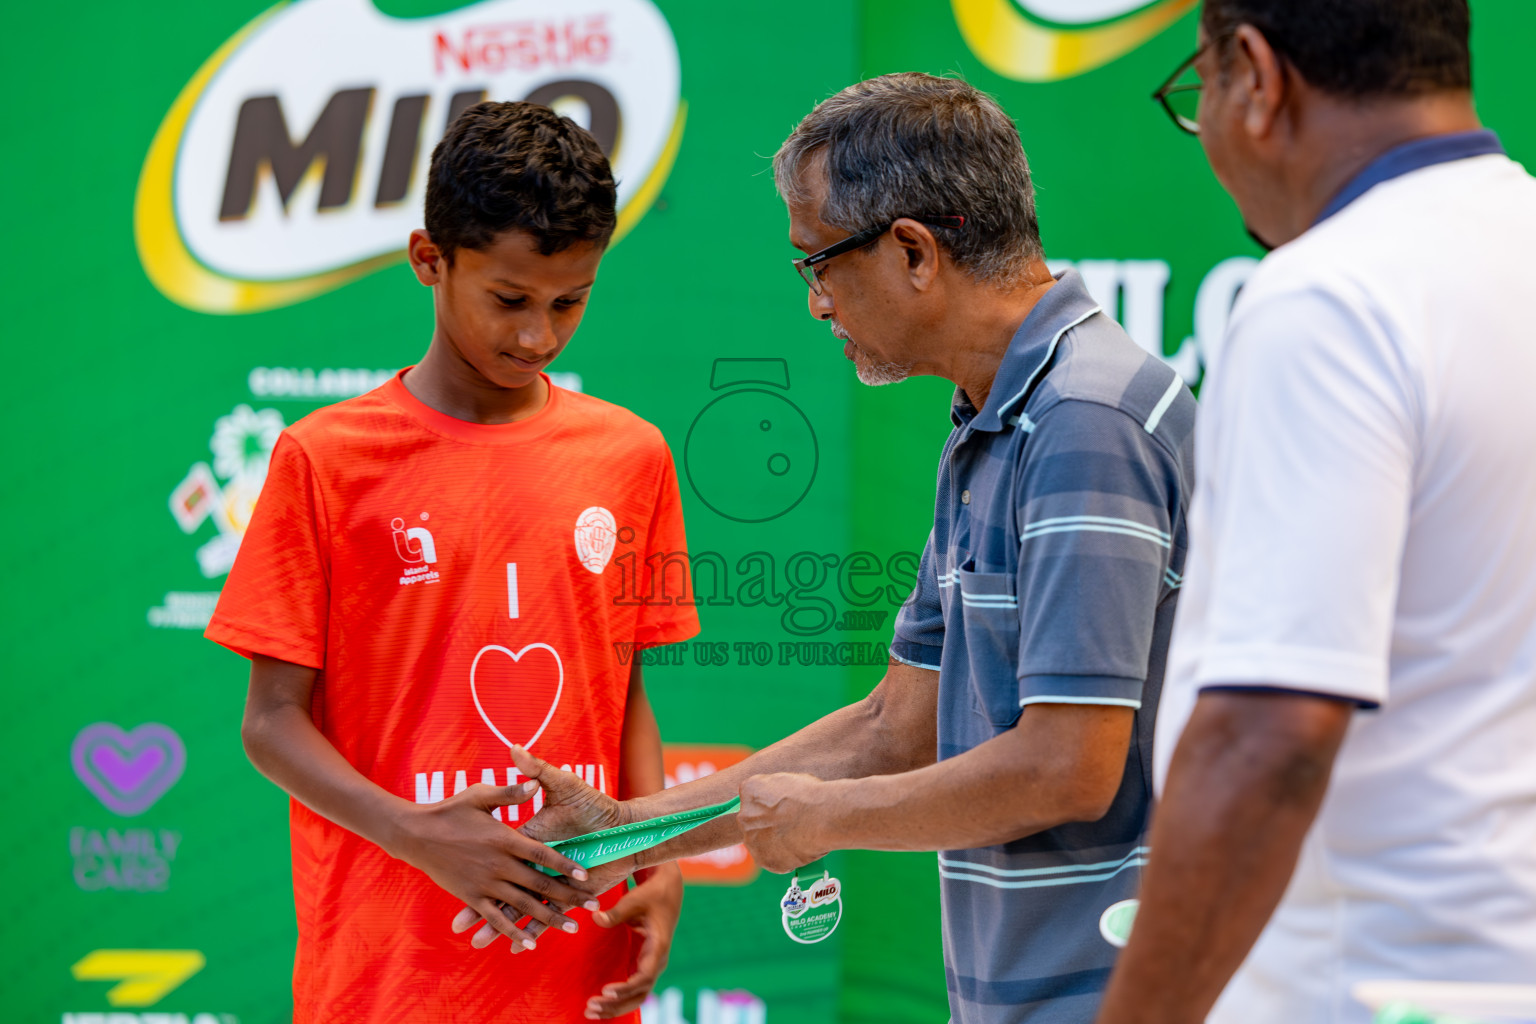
[
  {"x": 596, "y": 534},
  {"x": 516, "y": 656}
]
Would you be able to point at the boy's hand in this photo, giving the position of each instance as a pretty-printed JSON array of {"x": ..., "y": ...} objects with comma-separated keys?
[
  {"x": 650, "y": 908},
  {"x": 599, "y": 880},
  {"x": 465, "y": 851}
]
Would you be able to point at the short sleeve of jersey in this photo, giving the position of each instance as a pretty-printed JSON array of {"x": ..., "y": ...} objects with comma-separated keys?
[
  {"x": 1309, "y": 450},
  {"x": 1100, "y": 513},
  {"x": 276, "y": 599},
  {"x": 919, "y": 628},
  {"x": 670, "y": 615}
]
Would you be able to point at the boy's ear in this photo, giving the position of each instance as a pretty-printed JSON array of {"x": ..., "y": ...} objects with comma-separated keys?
[{"x": 426, "y": 258}]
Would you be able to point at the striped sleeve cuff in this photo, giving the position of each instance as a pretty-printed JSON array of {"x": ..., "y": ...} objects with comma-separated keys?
[
  {"x": 914, "y": 654},
  {"x": 1110, "y": 690}
]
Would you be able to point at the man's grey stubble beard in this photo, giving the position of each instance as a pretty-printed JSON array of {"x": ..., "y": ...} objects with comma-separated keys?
[{"x": 876, "y": 374}]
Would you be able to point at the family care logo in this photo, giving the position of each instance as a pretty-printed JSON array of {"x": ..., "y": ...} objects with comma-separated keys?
[
  {"x": 242, "y": 446},
  {"x": 128, "y": 771},
  {"x": 1048, "y": 40},
  {"x": 295, "y": 160}
]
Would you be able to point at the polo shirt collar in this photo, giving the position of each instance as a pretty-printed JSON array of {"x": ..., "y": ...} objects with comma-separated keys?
[
  {"x": 1066, "y": 305},
  {"x": 1413, "y": 156}
]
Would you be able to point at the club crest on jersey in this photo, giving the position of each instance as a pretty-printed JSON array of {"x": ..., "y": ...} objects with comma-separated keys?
[
  {"x": 596, "y": 534},
  {"x": 417, "y": 549}
]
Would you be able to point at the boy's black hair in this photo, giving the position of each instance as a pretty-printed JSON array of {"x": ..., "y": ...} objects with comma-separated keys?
[
  {"x": 1359, "y": 48},
  {"x": 518, "y": 166}
]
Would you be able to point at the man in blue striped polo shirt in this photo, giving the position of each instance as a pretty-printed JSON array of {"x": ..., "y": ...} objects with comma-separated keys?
[{"x": 1012, "y": 731}]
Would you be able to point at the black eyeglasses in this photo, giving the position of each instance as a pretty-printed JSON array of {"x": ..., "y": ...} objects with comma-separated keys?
[
  {"x": 1182, "y": 99},
  {"x": 806, "y": 266}
]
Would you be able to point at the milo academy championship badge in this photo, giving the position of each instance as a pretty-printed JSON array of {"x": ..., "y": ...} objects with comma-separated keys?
[{"x": 812, "y": 910}]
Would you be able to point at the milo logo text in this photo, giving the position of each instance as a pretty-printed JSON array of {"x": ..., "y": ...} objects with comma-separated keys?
[{"x": 295, "y": 159}]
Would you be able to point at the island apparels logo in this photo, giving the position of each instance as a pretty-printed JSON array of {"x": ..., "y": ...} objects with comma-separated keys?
[
  {"x": 226, "y": 491},
  {"x": 1048, "y": 40},
  {"x": 417, "y": 549},
  {"x": 751, "y": 454},
  {"x": 294, "y": 160}
]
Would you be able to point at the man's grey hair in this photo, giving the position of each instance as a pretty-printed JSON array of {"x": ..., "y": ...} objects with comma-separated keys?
[{"x": 912, "y": 145}]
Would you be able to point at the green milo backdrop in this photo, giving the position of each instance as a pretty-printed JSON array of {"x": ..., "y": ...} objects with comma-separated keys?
[{"x": 207, "y": 204}]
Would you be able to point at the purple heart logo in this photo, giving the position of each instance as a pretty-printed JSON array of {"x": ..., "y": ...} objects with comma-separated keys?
[{"x": 128, "y": 771}]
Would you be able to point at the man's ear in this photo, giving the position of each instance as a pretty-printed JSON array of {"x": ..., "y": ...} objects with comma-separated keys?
[
  {"x": 1261, "y": 75},
  {"x": 427, "y": 260},
  {"x": 919, "y": 249}
]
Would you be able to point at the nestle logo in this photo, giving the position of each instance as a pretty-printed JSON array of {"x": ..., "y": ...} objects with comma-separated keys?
[{"x": 524, "y": 45}]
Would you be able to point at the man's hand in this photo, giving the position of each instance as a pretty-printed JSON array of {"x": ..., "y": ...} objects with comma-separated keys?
[
  {"x": 480, "y": 860},
  {"x": 571, "y": 808},
  {"x": 780, "y": 820},
  {"x": 650, "y": 908}
]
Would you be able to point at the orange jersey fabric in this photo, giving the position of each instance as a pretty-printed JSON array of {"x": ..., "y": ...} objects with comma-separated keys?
[{"x": 460, "y": 587}]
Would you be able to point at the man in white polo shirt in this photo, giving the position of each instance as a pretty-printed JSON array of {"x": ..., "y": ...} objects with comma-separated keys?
[{"x": 1350, "y": 707}]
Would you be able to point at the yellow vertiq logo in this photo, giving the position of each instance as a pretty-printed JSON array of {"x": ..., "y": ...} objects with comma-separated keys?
[
  {"x": 1013, "y": 43},
  {"x": 144, "y": 976},
  {"x": 295, "y": 159}
]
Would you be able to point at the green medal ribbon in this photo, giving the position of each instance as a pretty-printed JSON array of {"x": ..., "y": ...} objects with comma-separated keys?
[
  {"x": 611, "y": 844},
  {"x": 815, "y": 869}
]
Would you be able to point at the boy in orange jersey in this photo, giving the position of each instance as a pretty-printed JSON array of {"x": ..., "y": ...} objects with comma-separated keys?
[{"x": 444, "y": 568}]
